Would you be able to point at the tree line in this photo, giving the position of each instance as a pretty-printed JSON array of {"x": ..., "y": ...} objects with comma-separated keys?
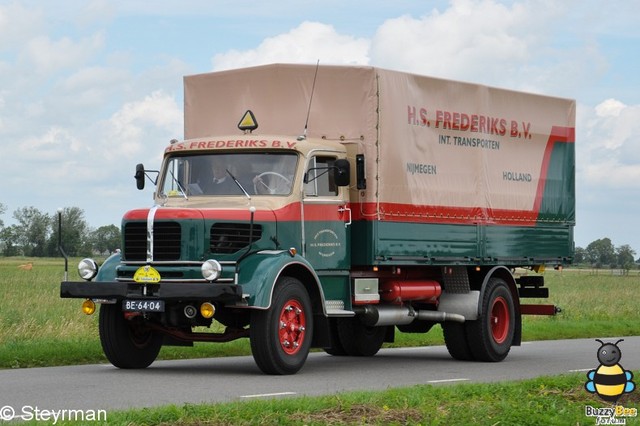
[
  {"x": 36, "y": 234},
  {"x": 602, "y": 253}
]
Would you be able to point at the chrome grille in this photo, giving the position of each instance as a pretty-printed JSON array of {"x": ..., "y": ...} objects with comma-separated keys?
[{"x": 167, "y": 241}]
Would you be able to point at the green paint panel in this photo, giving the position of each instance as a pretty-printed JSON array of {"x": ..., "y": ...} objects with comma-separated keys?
[
  {"x": 559, "y": 197},
  {"x": 440, "y": 244},
  {"x": 531, "y": 244},
  {"x": 336, "y": 287}
]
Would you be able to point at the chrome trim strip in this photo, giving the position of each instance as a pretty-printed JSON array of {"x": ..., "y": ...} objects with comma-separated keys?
[
  {"x": 270, "y": 252},
  {"x": 174, "y": 262},
  {"x": 150, "y": 217}
]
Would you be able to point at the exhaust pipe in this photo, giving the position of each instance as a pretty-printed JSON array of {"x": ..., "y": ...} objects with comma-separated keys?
[
  {"x": 438, "y": 316},
  {"x": 375, "y": 316}
]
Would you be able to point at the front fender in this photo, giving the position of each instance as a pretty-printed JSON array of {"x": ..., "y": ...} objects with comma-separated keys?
[
  {"x": 259, "y": 273},
  {"x": 107, "y": 271}
]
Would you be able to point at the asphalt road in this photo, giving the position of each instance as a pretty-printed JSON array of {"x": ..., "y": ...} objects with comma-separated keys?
[{"x": 102, "y": 386}]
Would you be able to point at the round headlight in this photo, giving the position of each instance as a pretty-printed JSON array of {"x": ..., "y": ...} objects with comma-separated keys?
[
  {"x": 211, "y": 270},
  {"x": 87, "y": 269}
]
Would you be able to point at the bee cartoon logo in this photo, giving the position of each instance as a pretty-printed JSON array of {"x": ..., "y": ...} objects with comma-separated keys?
[{"x": 609, "y": 381}]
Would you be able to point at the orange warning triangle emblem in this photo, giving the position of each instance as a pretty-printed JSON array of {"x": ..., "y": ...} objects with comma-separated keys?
[{"x": 248, "y": 123}]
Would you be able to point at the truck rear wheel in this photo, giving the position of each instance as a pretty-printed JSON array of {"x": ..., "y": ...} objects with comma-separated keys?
[
  {"x": 336, "y": 348},
  {"x": 281, "y": 336},
  {"x": 455, "y": 338},
  {"x": 358, "y": 339},
  {"x": 126, "y": 343},
  {"x": 491, "y": 335}
]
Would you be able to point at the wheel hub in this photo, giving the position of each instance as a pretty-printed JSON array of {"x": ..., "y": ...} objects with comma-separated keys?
[
  {"x": 500, "y": 320},
  {"x": 292, "y": 327}
]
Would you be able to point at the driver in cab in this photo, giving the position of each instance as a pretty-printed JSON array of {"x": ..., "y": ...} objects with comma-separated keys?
[{"x": 221, "y": 184}]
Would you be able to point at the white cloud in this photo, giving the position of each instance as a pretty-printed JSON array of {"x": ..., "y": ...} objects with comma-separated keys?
[
  {"x": 307, "y": 43},
  {"x": 93, "y": 87},
  {"x": 94, "y": 12},
  {"x": 506, "y": 44},
  {"x": 610, "y": 151},
  {"x": 137, "y": 123},
  {"x": 482, "y": 36},
  {"x": 610, "y": 108},
  {"x": 52, "y": 55},
  {"x": 18, "y": 24},
  {"x": 52, "y": 145}
]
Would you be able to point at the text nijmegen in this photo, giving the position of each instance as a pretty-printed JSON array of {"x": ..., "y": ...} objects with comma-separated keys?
[{"x": 425, "y": 169}]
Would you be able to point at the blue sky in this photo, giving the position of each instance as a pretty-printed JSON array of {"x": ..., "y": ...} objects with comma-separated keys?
[{"x": 89, "y": 88}]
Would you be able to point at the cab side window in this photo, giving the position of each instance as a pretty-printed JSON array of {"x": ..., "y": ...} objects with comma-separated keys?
[{"x": 320, "y": 177}]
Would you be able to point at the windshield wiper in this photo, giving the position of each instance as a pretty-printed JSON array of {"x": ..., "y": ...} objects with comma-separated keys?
[
  {"x": 180, "y": 187},
  {"x": 239, "y": 184}
]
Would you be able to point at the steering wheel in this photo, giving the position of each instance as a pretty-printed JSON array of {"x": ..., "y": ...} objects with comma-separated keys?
[{"x": 280, "y": 185}]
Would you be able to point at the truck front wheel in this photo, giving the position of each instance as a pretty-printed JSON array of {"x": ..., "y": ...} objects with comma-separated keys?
[
  {"x": 491, "y": 335},
  {"x": 127, "y": 343},
  {"x": 281, "y": 336}
]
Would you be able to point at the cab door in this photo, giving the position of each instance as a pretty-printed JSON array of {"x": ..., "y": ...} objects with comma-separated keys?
[{"x": 326, "y": 217}]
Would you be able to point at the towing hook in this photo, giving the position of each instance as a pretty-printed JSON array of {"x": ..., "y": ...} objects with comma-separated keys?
[{"x": 190, "y": 311}]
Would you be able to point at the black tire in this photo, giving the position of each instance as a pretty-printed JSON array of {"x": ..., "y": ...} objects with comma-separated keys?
[
  {"x": 279, "y": 349},
  {"x": 336, "y": 348},
  {"x": 491, "y": 335},
  {"x": 358, "y": 339},
  {"x": 126, "y": 343},
  {"x": 455, "y": 338}
]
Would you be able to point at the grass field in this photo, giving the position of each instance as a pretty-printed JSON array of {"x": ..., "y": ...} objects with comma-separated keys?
[{"x": 38, "y": 328}]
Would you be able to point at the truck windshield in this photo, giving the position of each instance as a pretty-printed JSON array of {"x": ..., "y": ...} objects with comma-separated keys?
[{"x": 216, "y": 174}]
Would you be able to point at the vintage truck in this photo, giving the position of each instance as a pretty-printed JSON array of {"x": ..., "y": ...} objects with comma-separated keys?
[{"x": 333, "y": 206}]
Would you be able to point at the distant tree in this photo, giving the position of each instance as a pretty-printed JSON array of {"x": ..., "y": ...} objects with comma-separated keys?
[
  {"x": 601, "y": 253},
  {"x": 32, "y": 230},
  {"x": 580, "y": 256},
  {"x": 3, "y": 209},
  {"x": 75, "y": 233},
  {"x": 105, "y": 239},
  {"x": 625, "y": 257},
  {"x": 8, "y": 239}
]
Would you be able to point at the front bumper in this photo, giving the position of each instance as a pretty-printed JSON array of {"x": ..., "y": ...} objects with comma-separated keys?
[{"x": 224, "y": 293}]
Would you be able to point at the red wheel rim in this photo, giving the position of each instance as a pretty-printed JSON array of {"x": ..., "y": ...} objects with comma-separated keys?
[
  {"x": 292, "y": 327},
  {"x": 500, "y": 320}
]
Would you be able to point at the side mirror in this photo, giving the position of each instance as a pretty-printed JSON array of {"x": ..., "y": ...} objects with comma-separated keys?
[
  {"x": 139, "y": 176},
  {"x": 342, "y": 172}
]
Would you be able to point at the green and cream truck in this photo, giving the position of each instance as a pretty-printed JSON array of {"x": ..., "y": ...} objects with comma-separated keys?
[{"x": 334, "y": 206}]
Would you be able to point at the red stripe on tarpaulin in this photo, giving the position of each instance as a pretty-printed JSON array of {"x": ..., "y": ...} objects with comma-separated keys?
[{"x": 396, "y": 212}]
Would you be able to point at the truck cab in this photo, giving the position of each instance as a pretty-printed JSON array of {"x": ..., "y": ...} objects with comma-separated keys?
[{"x": 232, "y": 219}]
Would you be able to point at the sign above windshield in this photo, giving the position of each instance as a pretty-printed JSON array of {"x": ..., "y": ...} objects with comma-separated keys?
[{"x": 248, "y": 123}]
